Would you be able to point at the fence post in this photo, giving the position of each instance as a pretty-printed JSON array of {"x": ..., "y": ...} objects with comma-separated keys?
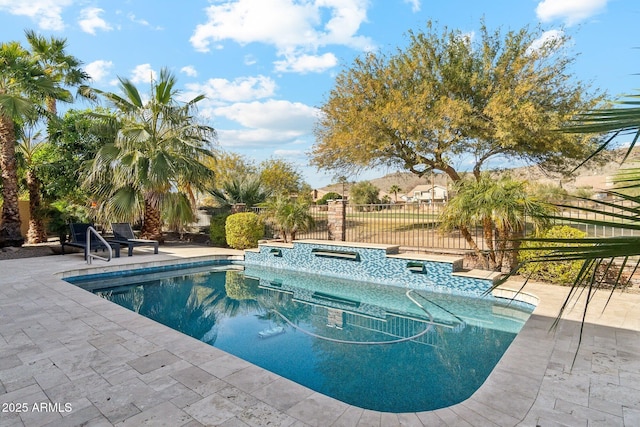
[
  {"x": 238, "y": 207},
  {"x": 336, "y": 219}
]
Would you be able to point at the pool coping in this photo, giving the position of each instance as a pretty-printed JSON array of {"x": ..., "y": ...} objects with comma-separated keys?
[{"x": 547, "y": 389}]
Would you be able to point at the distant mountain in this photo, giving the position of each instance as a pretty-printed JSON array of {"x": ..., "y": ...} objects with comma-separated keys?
[
  {"x": 405, "y": 180},
  {"x": 593, "y": 172}
]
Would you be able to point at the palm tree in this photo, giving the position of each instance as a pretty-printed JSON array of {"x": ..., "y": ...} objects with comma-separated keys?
[
  {"x": 604, "y": 258},
  {"x": 513, "y": 204},
  {"x": 395, "y": 190},
  {"x": 156, "y": 157},
  {"x": 290, "y": 216},
  {"x": 500, "y": 206},
  {"x": 23, "y": 86},
  {"x": 30, "y": 146},
  {"x": 63, "y": 69},
  {"x": 248, "y": 190}
]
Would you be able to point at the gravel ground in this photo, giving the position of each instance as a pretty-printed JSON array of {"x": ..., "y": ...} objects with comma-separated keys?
[
  {"x": 47, "y": 249},
  {"x": 28, "y": 251}
]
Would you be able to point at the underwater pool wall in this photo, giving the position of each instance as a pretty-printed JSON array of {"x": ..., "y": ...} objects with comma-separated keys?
[{"x": 372, "y": 263}]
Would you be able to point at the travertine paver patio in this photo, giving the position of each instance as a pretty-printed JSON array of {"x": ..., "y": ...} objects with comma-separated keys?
[{"x": 70, "y": 358}]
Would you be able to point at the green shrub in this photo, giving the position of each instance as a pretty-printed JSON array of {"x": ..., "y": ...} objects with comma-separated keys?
[
  {"x": 243, "y": 230},
  {"x": 562, "y": 272},
  {"x": 329, "y": 196},
  {"x": 60, "y": 213},
  {"x": 217, "y": 233}
]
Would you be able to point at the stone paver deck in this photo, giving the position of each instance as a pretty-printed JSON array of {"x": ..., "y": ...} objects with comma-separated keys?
[{"x": 68, "y": 357}]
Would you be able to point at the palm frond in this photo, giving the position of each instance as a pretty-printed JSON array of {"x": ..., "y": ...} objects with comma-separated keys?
[{"x": 613, "y": 121}]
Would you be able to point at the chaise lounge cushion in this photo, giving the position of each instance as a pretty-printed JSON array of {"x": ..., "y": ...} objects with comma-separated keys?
[
  {"x": 78, "y": 239},
  {"x": 123, "y": 235}
]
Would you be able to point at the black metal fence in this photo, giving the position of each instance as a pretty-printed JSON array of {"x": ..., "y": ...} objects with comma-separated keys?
[
  {"x": 418, "y": 225},
  {"x": 320, "y": 230},
  {"x": 408, "y": 225}
]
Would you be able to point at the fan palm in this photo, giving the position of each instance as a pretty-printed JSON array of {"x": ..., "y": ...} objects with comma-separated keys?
[
  {"x": 156, "y": 158},
  {"x": 30, "y": 146},
  {"x": 500, "y": 206},
  {"x": 63, "y": 69},
  {"x": 23, "y": 88},
  {"x": 290, "y": 216},
  {"x": 248, "y": 190},
  {"x": 395, "y": 190},
  {"x": 604, "y": 258}
]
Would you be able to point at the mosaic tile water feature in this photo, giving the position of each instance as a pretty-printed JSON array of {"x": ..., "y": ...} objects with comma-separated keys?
[{"x": 377, "y": 264}]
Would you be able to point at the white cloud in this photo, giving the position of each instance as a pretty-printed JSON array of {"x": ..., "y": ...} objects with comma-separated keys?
[
  {"x": 133, "y": 18},
  {"x": 290, "y": 154},
  {"x": 293, "y": 27},
  {"x": 283, "y": 116},
  {"x": 189, "y": 70},
  {"x": 47, "y": 13},
  {"x": 259, "y": 138},
  {"x": 307, "y": 63},
  {"x": 98, "y": 69},
  {"x": 273, "y": 123},
  {"x": 143, "y": 73},
  {"x": 544, "y": 38},
  {"x": 415, "y": 5},
  {"x": 240, "y": 89},
  {"x": 90, "y": 20},
  {"x": 570, "y": 11}
]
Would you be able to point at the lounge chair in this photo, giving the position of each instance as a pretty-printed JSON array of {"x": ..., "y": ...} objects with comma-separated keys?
[
  {"x": 123, "y": 235},
  {"x": 78, "y": 239}
]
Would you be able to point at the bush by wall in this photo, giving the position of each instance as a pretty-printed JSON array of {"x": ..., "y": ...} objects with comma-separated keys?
[
  {"x": 562, "y": 273},
  {"x": 217, "y": 234},
  {"x": 329, "y": 196},
  {"x": 243, "y": 230}
]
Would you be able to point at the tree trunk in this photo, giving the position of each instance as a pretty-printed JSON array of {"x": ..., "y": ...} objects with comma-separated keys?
[
  {"x": 501, "y": 239},
  {"x": 467, "y": 236},
  {"x": 455, "y": 177},
  {"x": 514, "y": 253},
  {"x": 152, "y": 222},
  {"x": 10, "y": 234},
  {"x": 487, "y": 230},
  {"x": 37, "y": 232}
]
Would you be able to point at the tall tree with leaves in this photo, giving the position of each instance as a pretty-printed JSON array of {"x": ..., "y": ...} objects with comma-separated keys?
[
  {"x": 364, "y": 193},
  {"x": 156, "y": 158},
  {"x": 280, "y": 176},
  {"x": 228, "y": 166},
  {"x": 448, "y": 96},
  {"x": 23, "y": 88},
  {"x": 74, "y": 139}
]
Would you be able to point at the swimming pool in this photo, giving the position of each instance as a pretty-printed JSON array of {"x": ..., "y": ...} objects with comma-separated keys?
[{"x": 377, "y": 347}]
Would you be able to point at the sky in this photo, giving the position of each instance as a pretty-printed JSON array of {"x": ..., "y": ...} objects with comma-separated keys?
[{"x": 266, "y": 66}]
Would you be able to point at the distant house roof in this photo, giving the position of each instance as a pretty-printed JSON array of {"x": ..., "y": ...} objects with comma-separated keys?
[
  {"x": 426, "y": 188},
  {"x": 428, "y": 192}
]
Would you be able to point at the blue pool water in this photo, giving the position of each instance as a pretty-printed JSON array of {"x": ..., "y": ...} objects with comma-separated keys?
[{"x": 332, "y": 335}]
